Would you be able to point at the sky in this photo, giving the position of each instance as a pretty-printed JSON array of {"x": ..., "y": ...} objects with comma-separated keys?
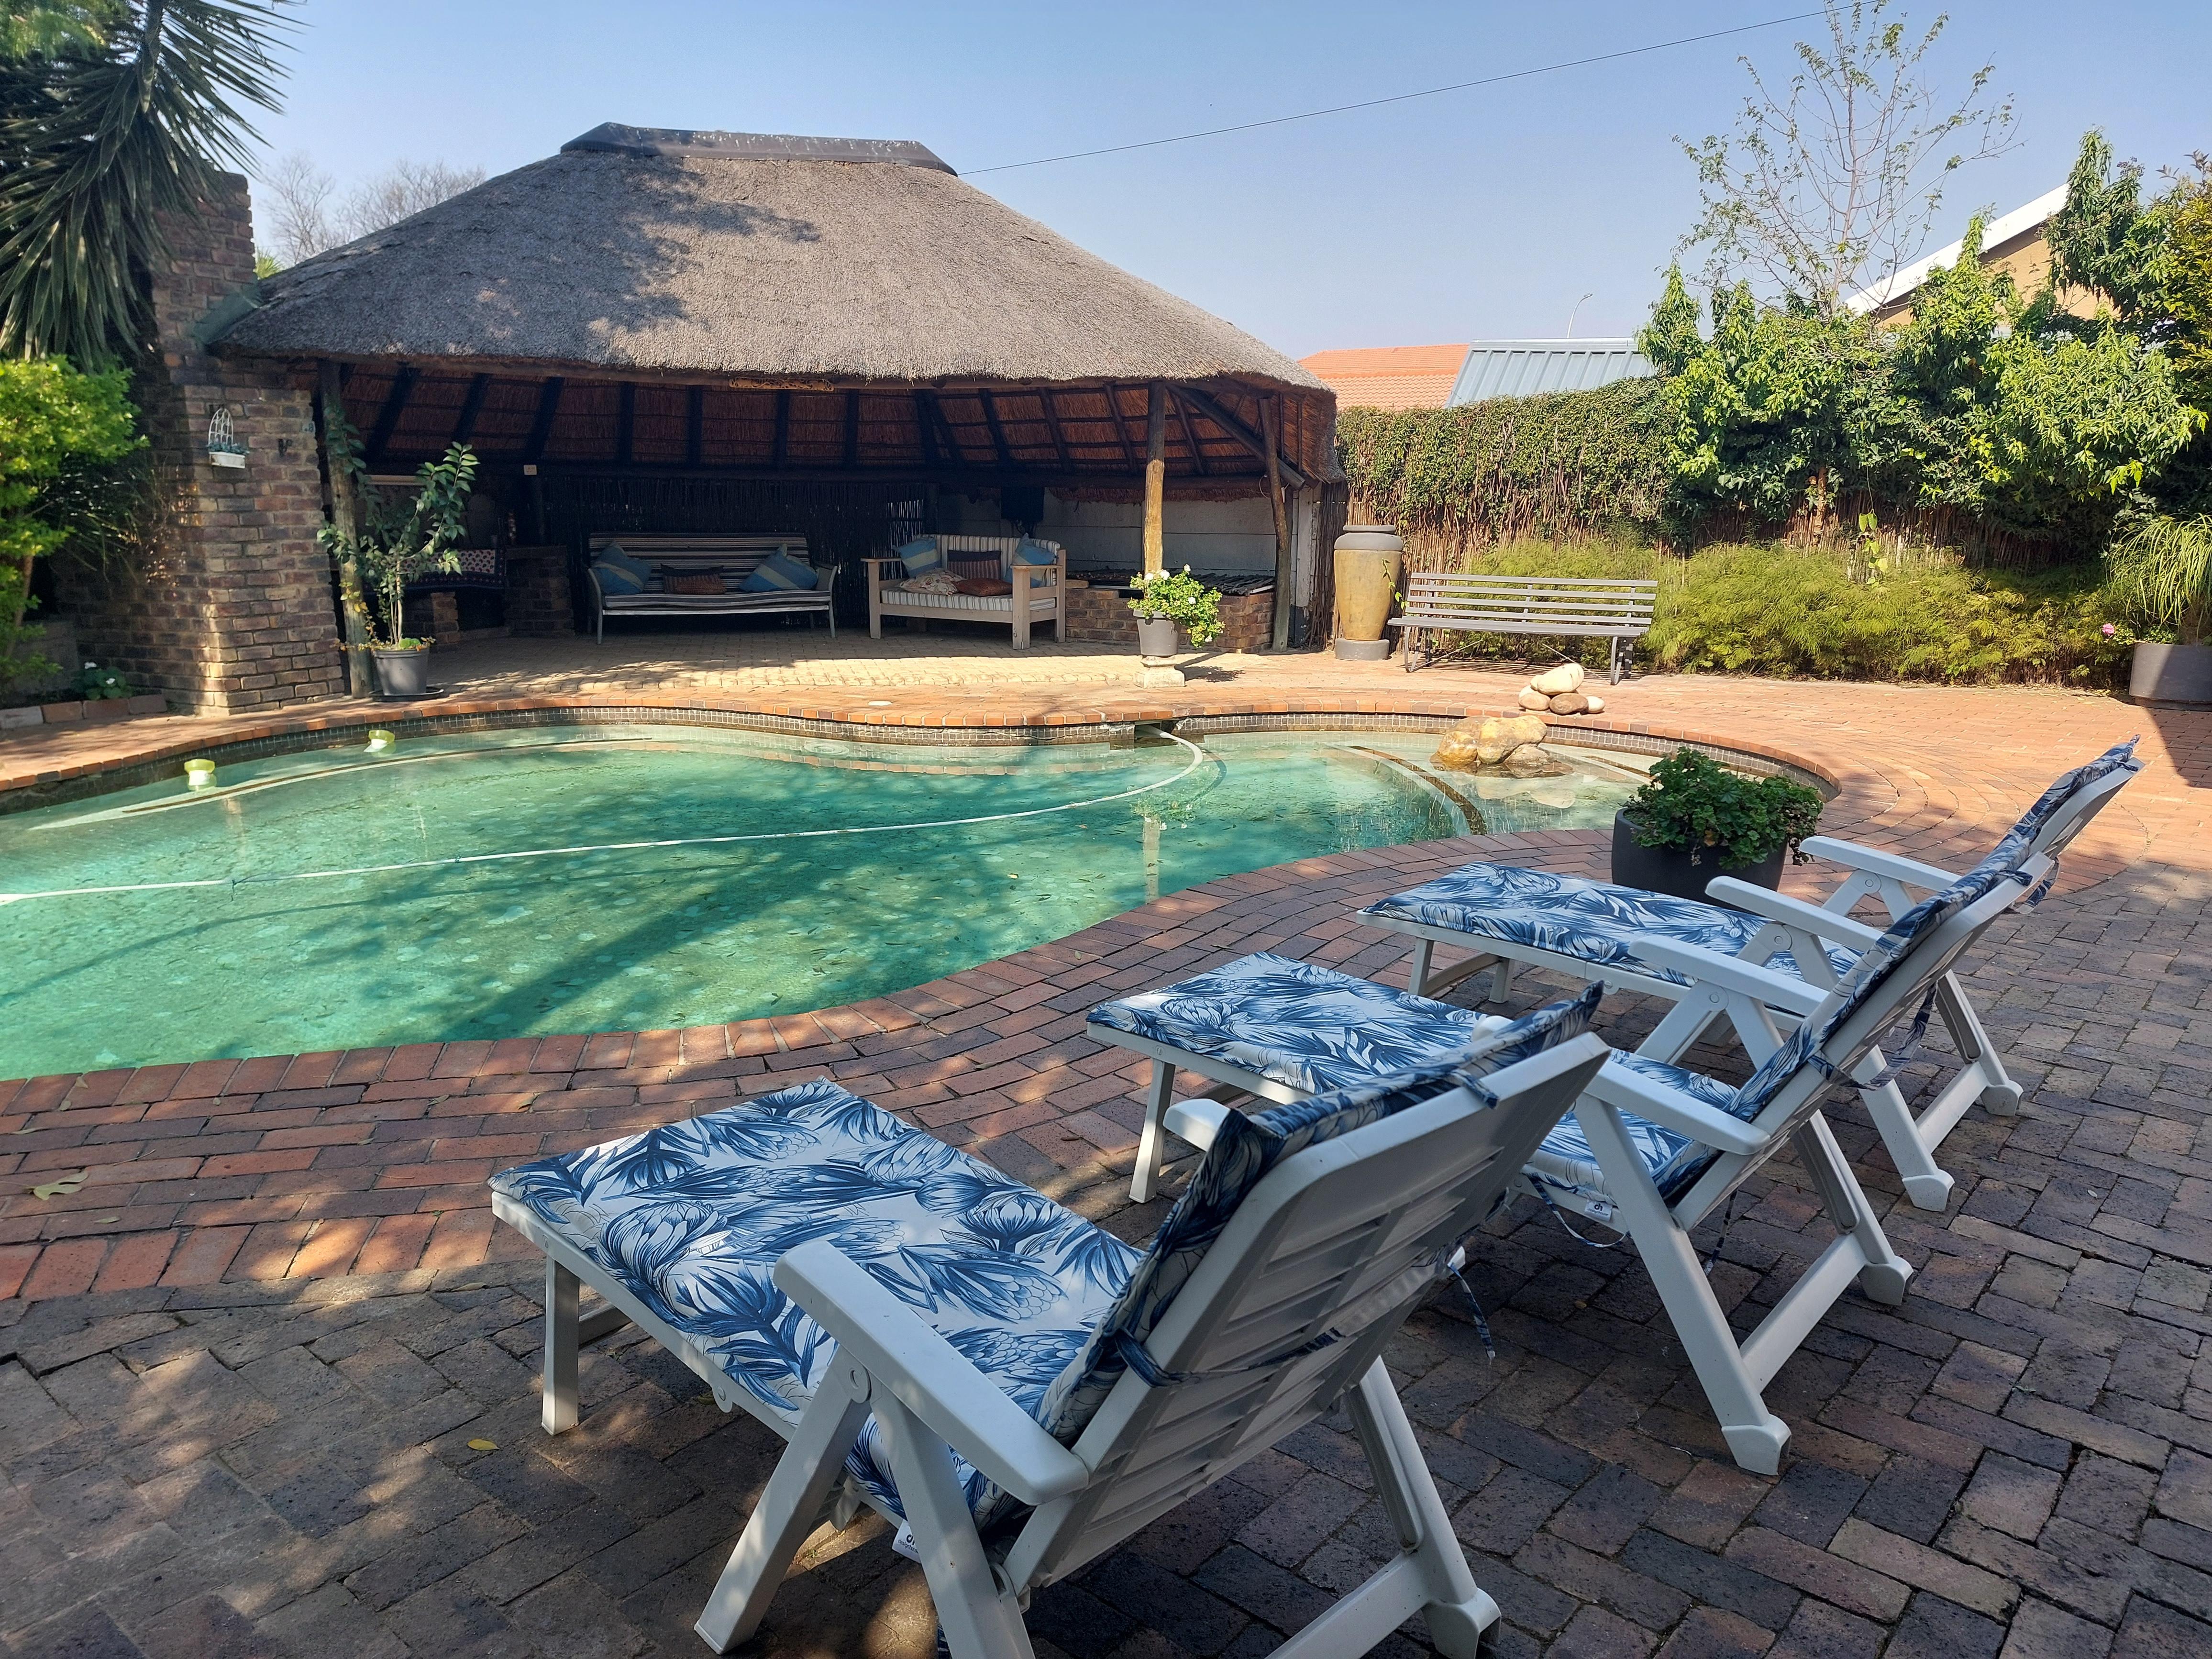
[{"x": 1482, "y": 214}]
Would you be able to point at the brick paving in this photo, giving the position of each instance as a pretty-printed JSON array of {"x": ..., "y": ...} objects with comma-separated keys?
[{"x": 242, "y": 1365}]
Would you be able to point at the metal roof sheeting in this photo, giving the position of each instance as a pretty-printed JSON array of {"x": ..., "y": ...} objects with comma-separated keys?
[{"x": 1521, "y": 368}]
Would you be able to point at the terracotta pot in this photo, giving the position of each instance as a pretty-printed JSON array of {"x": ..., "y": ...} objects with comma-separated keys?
[
  {"x": 2170, "y": 673},
  {"x": 1369, "y": 560},
  {"x": 401, "y": 671},
  {"x": 1669, "y": 870}
]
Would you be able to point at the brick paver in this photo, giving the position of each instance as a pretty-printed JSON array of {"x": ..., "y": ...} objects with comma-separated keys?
[{"x": 240, "y": 1366}]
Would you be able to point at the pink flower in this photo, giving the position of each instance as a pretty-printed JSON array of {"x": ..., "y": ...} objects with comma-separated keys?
[{"x": 2108, "y": 630}]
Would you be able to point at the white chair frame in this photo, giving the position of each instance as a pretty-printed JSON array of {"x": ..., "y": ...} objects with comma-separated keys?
[
  {"x": 1734, "y": 1374},
  {"x": 1287, "y": 1316},
  {"x": 1800, "y": 929}
]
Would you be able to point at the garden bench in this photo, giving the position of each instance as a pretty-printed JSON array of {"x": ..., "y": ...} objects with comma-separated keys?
[
  {"x": 1603, "y": 606},
  {"x": 735, "y": 557}
]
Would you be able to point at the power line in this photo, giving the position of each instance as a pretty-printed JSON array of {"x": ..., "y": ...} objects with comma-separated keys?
[{"x": 1402, "y": 97}]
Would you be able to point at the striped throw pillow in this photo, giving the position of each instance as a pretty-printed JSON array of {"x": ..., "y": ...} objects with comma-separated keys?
[
  {"x": 779, "y": 572},
  {"x": 921, "y": 556}
]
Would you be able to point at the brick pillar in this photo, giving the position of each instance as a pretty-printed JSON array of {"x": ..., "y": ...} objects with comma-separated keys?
[{"x": 234, "y": 611}]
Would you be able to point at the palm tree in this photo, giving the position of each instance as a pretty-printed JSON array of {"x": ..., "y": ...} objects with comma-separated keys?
[{"x": 112, "y": 112}]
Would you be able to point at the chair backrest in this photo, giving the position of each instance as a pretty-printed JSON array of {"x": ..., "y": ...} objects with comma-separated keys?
[
  {"x": 734, "y": 556},
  {"x": 2064, "y": 810},
  {"x": 1619, "y": 607},
  {"x": 1244, "y": 1322}
]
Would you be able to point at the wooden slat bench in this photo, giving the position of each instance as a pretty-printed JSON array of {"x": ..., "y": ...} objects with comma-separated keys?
[
  {"x": 1619, "y": 608},
  {"x": 735, "y": 556}
]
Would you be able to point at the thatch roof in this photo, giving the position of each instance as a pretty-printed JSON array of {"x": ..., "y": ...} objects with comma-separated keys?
[{"x": 647, "y": 254}]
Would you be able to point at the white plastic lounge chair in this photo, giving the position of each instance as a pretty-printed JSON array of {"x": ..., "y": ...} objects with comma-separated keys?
[
  {"x": 1653, "y": 1147},
  {"x": 1022, "y": 1389},
  {"x": 1590, "y": 929}
]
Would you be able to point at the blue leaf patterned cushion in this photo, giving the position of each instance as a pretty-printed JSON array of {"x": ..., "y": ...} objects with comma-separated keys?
[
  {"x": 1244, "y": 1149},
  {"x": 694, "y": 1215},
  {"x": 1566, "y": 1163},
  {"x": 1297, "y": 1023},
  {"x": 1591, "y": 921},
  {"x": 2020, "y": 839}
]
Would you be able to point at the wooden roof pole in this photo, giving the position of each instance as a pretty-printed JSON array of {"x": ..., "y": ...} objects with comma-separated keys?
[
  {"x": 1155, "y": 477},
  {"x": 345, "y": 513},
  {"x": 1271, "y": 430}
]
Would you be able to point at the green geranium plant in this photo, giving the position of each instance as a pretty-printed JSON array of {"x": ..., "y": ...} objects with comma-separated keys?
[
  {"x": 1695, "y": 804},
  {"x": 1178, "y": 597}
]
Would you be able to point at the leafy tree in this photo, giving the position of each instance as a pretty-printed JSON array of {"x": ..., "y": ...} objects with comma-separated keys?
[
  {"x": 1836, "y": 178},
  {"x": 120, "y": 112},
  {"x": 398, "y": 541},
  {"x": 2106, "y": 240},
  {"x": 51, "y": 418}
]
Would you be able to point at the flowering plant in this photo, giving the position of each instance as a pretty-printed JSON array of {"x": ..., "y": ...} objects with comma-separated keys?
[{"x": 1176, "y": 596}]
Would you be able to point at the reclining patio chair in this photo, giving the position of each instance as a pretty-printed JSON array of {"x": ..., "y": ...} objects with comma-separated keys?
[
  {"x": 1020, "y": 1388},
  {"x": 1653, "y": 1148},
  {"x": 1591, "y": 929}
]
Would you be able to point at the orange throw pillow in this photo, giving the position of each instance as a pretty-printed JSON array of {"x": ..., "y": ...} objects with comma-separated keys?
[
  {"x": 706, "y": 583},
  {"x": 984, "y": 587}
]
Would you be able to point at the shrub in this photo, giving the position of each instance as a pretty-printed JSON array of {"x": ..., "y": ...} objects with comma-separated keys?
[{"x": 1795, "y": 613}]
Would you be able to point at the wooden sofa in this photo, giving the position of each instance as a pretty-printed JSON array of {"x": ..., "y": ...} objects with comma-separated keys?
[
  {"x": 735, "y": 556},
  {"x": 975, "y": 555}
]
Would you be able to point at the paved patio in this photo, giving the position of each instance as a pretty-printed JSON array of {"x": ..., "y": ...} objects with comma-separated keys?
[{"x": 242, "y": 1368}]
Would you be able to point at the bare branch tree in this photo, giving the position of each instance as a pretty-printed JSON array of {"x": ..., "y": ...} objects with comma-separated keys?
[
  {"x": 305, "y": 216},
  {"x": 1835, "y": 183}
]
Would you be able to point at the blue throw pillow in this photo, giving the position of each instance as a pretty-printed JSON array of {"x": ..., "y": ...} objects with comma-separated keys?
[
  {"x": 922, "y": 555},
  {"x": 618, "y": 575},
  {"x": 1030, "y": 552},
  {"x": 779, "y": 572}
]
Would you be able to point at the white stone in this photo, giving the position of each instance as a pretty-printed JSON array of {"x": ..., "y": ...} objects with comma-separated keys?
[{"x": 1553, "y": 682}]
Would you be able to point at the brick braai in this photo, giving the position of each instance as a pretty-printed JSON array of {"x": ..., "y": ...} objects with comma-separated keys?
[
  {"x": 1102, "y": 614},
  {"x": 235, "y": 611}
]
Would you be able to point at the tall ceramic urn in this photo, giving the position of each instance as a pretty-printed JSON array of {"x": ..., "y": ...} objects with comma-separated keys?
[{"x": 1369, "y": 557}]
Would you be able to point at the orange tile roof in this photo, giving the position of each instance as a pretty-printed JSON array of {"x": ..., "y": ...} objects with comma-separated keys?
[{"x": 1389, "y": 377}]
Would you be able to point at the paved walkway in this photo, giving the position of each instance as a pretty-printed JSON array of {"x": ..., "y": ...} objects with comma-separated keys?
[{"x": 242, "y": 1367}]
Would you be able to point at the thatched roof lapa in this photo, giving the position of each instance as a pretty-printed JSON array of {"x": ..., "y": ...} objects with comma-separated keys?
[{"x": 647, "y": 253}]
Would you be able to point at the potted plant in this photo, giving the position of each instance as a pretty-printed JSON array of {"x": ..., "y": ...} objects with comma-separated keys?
[
  {"x": 2162, "y": 568},
  {"x": 1165, "y": 600},
  {"x": 1696, "y": 820},
  {"x": 397, "y": 542}
]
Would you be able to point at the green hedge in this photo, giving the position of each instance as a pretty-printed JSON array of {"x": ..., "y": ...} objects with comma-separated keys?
[
  {"x": 1791, "y": 613},
  {"x": 1563, "y": 464}
]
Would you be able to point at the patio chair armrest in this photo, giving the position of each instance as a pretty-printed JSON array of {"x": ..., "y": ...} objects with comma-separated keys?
[
  {"x": 1195, "y": 1121},
  {"x": 1868, "y": 862},
  {"x": 1618, "y": 1086},
  {"x": 881, "y": 558},
  {"x": 1783, "y": 991},
  {"x": 1792, "y": 912},
  {"x": 930, "y": 1377}
]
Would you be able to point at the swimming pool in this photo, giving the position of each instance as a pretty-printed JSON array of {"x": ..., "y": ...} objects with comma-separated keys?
[{"x": 561, "y": 879}]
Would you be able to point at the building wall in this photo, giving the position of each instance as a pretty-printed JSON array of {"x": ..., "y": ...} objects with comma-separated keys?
[
  {"x": 235, "y": 612},
  {"x": 2026, "y": 259},
  {"x": 1225, "y": 536}
]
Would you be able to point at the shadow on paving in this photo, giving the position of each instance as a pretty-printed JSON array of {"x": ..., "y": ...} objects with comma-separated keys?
[{"x": 2022, "y": 1452}]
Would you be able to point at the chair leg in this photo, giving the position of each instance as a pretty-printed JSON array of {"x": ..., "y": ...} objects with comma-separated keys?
[
  {"x": 1999, "y": 1092},
  {"x": 1424, "y": 951},
  {"x": 788, "y": 1509},
  {"x": 1755, "y": 1436},
  {"x": 979, "y": 1620},
  {"x": 1151, "y": 1149},
  {"x": 1885, "y": 1274},
  {"x": 1458, "y": 1610},
  {"x": 558, "y": 1409},
  {"x": 1925, "y": 1182}
]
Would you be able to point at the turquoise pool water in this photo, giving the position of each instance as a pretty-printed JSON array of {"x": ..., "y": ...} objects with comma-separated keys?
[{"x": 323, "y": 917}]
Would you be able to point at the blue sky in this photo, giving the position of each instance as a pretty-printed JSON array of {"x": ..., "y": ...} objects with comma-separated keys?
[{"x": 1475, "y": 214}]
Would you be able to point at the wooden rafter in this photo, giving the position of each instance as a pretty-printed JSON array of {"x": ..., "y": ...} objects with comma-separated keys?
[
  {"x": 541, "y": 427},
  {"x": 922, "y": 425},
  {"x": 1121, "y": 432},
  {"x": 782, "y": 446},
  {"x": 1190, "y": 436},
  {"x": 695, "y": 426},
  {"x": 1242, "y": 434},
  {"x": 1052, "y": 425},
  {"x": 852, "y": 428},
  {"x": 626, "y": 425},
  {"x": 387, "y": 419},
  {"x": 471, "y": 406},
  {"x": 997, "y": 431}
]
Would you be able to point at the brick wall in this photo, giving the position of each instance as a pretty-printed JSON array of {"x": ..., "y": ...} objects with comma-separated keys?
[
  {"x": 1103, "y": 614},
  {"x": 538, "y": 605},
  {"x": 235, "y": 612}
]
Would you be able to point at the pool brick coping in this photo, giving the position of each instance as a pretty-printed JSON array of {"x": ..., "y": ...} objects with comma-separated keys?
[{"x": 373, "y": 1160}]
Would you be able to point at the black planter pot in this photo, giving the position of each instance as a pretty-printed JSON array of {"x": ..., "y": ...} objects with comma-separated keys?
[
  {"x": 1669, "y": 869},
  {"x": 2171, "y": 673},
  {"x": 401, "y": 673}
]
